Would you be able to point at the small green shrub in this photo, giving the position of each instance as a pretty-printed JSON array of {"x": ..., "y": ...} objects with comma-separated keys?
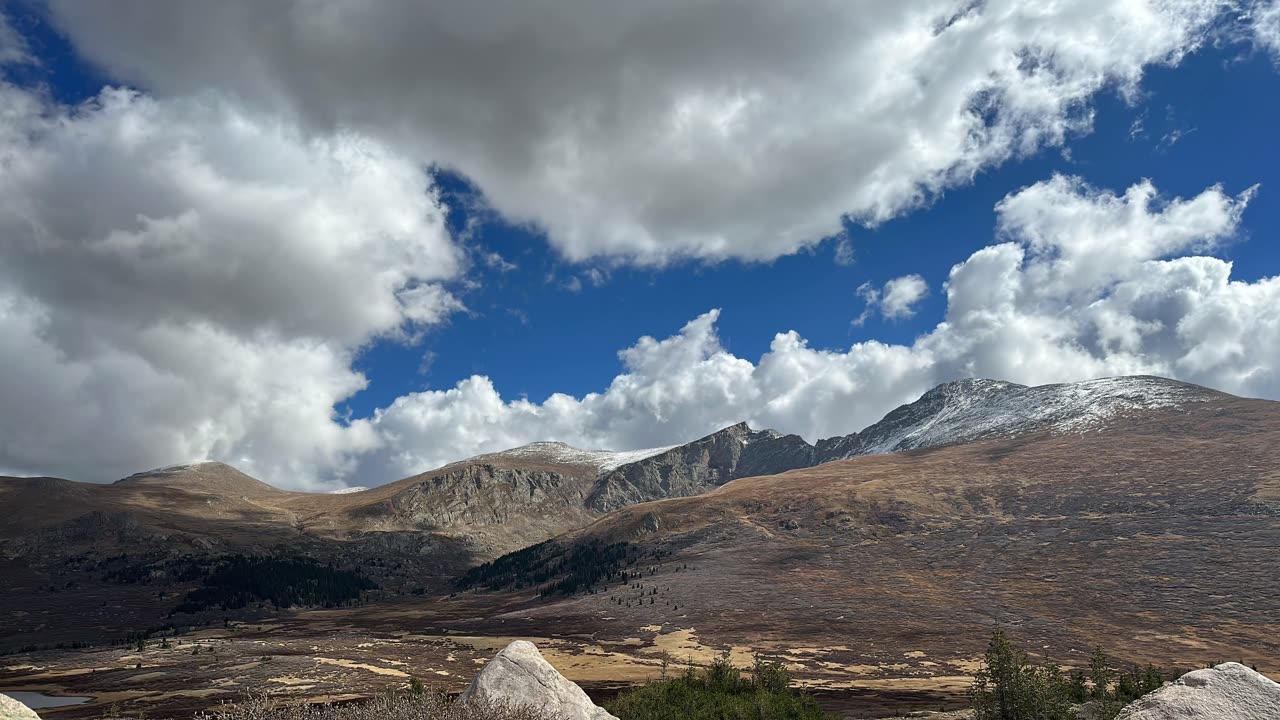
[
  {"x": 1010, "y": 687},
  {"x": 719, "y": 692},
  {"x": 770, "y": 675},
  {"x": 426, "y": 706}
]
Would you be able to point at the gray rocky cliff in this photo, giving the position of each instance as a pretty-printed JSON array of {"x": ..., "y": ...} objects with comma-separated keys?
[{"x": 699, "y": 466}]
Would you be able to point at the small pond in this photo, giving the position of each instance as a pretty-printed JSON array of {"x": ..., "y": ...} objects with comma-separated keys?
[{"x": 37, "y": 700}]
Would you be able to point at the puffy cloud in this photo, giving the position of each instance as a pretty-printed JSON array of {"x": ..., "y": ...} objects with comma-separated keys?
[
  {"x": 185, "y": 278},
  {"x": 1087, "y": 284},
  {"x": 190, "y": 273},
  {"x": 896, "y": 300},
  {"x": 1266, "y": 26},
  {"x": 733, "y": 129},
  {"x": 1077, "y": 291},
  {"x": 901, "y": 295},
  {"x": 671, "y": 388}
]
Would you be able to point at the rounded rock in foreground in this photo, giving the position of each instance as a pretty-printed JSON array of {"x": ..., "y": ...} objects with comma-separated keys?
[
  {"x": 1229, "y": 691},
  {"x": 11, "y": 709},
  {"x": 519, "y": 675}
]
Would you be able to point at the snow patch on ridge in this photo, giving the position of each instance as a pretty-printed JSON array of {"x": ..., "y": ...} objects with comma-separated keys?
[
  {"x": 180, "y": 468},
  {"x": 755, "y": 435},
  {"x": 969, "y": 410},
  {"x": 558, "y": 452}
]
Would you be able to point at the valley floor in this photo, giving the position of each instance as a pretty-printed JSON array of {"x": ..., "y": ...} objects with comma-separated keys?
[{"x": 351, "y": 653}]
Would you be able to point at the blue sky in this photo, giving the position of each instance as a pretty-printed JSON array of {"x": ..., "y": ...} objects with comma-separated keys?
[
  {"x": 1210, "y": 120},
  {"x": 384, "y": 238}
]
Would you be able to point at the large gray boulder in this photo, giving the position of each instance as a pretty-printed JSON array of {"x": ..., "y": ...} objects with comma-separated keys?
[
  {"x": 520, "y": 676},
  {"x": 11, "y": 709},
  {"x": 1229, "y": 691}
]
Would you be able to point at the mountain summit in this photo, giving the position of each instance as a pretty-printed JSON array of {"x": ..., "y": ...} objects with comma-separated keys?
[
  {"x": 975, "y": 409},
  {"x": 209, "y": 477},
  {"x": 949, "y": 414},
  {"x": 490, "y": 504}
]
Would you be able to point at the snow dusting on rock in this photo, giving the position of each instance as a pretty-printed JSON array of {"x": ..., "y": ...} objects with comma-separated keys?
[
  {"x": 968, "y": 410},
  {"x": 174, "y": 469},
  {"x": 558, "y": 452}
]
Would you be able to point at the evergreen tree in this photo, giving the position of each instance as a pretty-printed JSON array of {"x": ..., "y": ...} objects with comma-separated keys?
[
  {"x": 1010, "y": 687},
  {"x": 1100, "y": 674}
]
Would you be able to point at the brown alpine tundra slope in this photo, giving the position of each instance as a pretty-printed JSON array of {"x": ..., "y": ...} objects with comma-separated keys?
[
  {"x": 1158, "y": 539},
  {"x": 1154, "y": 534}
]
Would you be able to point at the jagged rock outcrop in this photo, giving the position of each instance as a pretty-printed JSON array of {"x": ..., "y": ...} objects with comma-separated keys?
[
  {"x": 951, "y": 413},
  {"x": 11, "y": 709},
  {"x": 699, "y": 466},
  {"x": 478, "y": 494},
  {"x": 1229, "y": 691},
  {"x": 519, "y": 675}
]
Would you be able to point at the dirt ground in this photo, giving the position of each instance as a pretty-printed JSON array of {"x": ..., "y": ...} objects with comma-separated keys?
[{"x": 330, "y": 655}]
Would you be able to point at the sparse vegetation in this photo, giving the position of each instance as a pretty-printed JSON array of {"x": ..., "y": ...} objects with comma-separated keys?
[
  {"x": 720, "y": 692},
  {"x": 558, "y": 570},
  {"x": 239, "y": 580},
  {"x": 419, "y": 706},
  {"x": 32, "y": 647},
  {"x": 1011, "y": 687},
  {"x": 134, "y": 570}
]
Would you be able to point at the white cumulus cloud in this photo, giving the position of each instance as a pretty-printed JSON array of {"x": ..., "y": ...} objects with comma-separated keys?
[
  {"x": 190, "y": 270},
  {"x": 1087, "y": 283},
  {"x": 895, "y": 301},
  {"x": 656, "y": 130},
  {"x": 185, "y": 278},
  {"x": 901, "y": 296}
]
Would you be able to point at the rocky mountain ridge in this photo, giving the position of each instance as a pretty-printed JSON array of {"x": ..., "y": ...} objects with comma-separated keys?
[
  {"x": 1118, "y": 509},
  {"x": 949, "y": 414},
  {"x": 495, "y": 503},
  {"x": 1168, "y": 519}
]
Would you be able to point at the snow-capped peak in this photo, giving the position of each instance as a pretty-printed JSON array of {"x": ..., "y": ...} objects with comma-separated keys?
[
  {"x": 348, "y": 490},
  {"x": 968, "y": 410}
]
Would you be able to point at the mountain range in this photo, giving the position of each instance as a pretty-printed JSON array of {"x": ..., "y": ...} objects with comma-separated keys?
[
  {"x": 1148, "y": 527},
  {"x": 1134, "y": 508},
  {"x": 494, "y": 503}
]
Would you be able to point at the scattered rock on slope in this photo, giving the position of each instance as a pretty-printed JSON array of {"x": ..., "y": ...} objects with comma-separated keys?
[
  {"x": 520, "y": 676},
  {"x": 11, "y": 709},
  {"x": 1229, "y": 691}
]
